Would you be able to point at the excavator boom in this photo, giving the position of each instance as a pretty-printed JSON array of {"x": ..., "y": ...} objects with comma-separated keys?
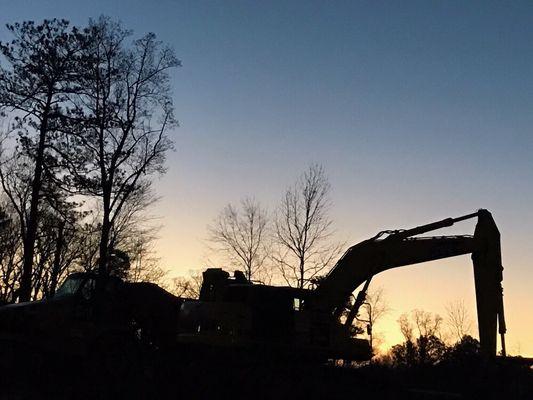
[{"x": 368, "y": 258}]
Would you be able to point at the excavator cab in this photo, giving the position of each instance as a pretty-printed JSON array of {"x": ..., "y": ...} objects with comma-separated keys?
[
  {"x": 234, "y": 313},
  {"x": 235, "y": 309}
]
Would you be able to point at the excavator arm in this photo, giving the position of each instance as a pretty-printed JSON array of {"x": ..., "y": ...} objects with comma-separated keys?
[{"x": 370, "y": 257}]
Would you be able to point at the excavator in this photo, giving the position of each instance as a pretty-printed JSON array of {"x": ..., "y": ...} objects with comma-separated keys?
[{"x": 235, "y": 314}]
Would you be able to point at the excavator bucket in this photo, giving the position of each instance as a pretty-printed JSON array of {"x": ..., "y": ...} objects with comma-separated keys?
[{"x": 488, "y": 276}]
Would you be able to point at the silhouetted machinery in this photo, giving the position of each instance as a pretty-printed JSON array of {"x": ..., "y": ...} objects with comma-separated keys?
[
  {"x": 233, "y": 313},
  {"x": 90, "y": 315}
]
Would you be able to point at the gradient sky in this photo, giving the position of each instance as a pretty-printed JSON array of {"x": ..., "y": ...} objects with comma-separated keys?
[{"x": 418, "y": 110}]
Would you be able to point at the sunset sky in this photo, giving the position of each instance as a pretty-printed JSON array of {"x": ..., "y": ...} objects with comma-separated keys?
[{"x": 418, "y": 110}]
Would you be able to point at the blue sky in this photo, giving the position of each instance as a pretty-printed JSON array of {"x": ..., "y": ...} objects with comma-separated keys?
[{"x": 418, "y": 110}]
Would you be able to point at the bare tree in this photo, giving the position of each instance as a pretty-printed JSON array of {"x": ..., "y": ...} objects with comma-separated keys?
[
  {"x": 133, "y": 235},
  {"x": 57, "y": 250},
  {"x": 374, "y": 308},
  {"x": 375, "y": 305},
  {"x": 139, "y": 243},
  {"x": 10, "y": 255},
  {"x": 58, "y": 247},
  {"x": 303, "y": 229},
  {"x": 57, "y": 226},
  {"x": 427, "y": 347},
  {"x": 188, "y": 287},
  {"x": 458, "y": 319},
  {"x": 42, "y": 60},
  {"x": 90, "y": 239},
  {"x": 406, "y": 327},
  {"x": 241, "y": 234},
  {"x": 121, "y": 120},
  {"x": 145, "y": 265},
  {"x": 427, "y": 324}
]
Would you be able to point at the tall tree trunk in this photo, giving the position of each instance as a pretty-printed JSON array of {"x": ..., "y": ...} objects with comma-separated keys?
[
  {"x": 33, "y": 218},
  {"x": 56, "y": 268},
  {"x": 106, "y": 228},
  {"x": 302, "y": 273}
]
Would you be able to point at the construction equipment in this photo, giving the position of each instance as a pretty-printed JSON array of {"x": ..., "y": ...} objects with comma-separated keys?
[
  {"x": 93, "y": 312},
  {"x": 91, "y": 315},
  {"x": 233, "y": 313}
]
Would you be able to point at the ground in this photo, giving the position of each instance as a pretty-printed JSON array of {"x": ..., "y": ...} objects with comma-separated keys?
[{"x": 168, "y": 377}]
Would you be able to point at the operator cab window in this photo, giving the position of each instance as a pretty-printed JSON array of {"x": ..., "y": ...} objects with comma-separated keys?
[{"x": 69, "y": 287}]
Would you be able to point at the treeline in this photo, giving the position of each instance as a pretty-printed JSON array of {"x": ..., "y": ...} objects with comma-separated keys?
[
  {"x": 430, "y": 339},
  {"x": 86, "y": 113}
]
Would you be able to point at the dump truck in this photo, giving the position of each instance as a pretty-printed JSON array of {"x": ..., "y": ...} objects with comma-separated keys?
[{"x": 91, "y": 318}]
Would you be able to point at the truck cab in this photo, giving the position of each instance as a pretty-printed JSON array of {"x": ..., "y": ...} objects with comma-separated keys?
[{"x": 68, "y": 321}]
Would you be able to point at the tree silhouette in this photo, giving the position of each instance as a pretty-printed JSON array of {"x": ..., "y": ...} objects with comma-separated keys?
[
  {"x": 458, "y": 319},
  {"x": 42, "y": 63},
  {"x": 120, "y": 121},
  {"x": 188, "y": 287},
  {"x": 426, "y": 348},
  {"x": 10, "y": 261},
  {"x": 241, "y": 234},
  {"x": 303, "y": 229},
  {"x": 374, "y": 309}
]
